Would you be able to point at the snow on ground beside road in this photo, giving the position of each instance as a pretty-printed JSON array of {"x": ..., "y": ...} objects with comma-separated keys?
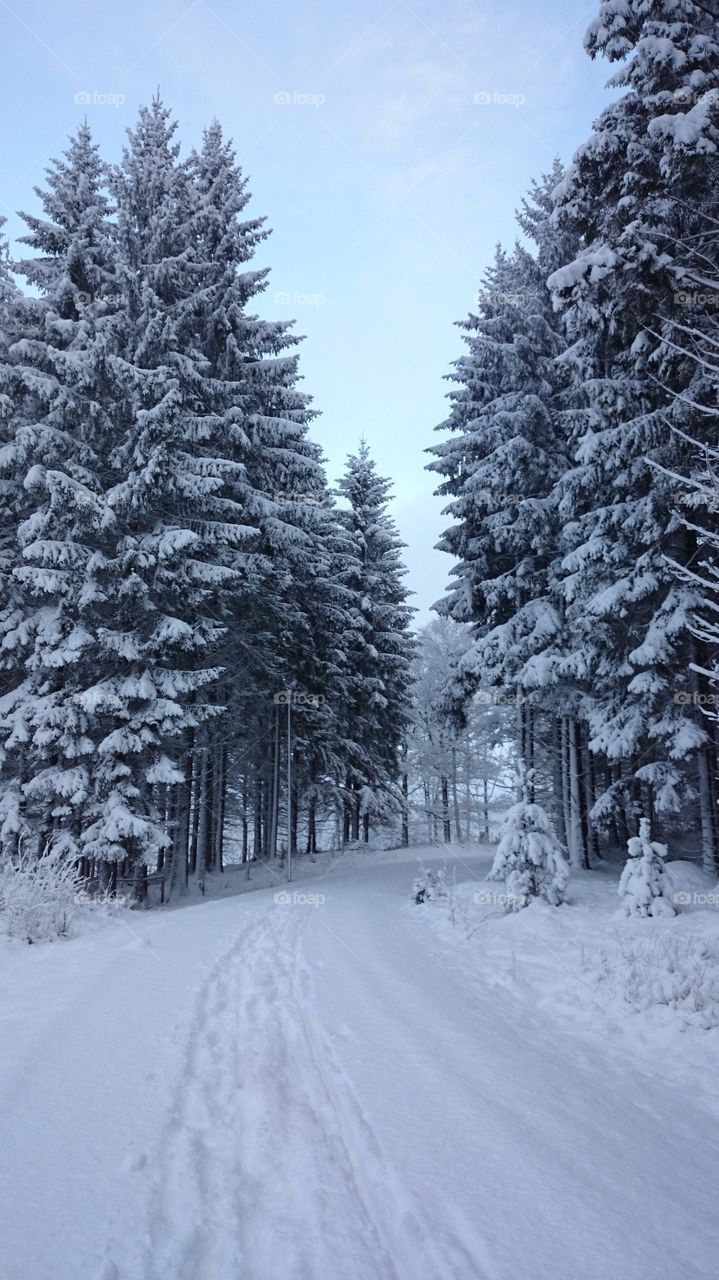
[
  {"x": 647, "y": 988},
  {"x": 348, "y": 1086},
  {"x": 268, "y": 873}
]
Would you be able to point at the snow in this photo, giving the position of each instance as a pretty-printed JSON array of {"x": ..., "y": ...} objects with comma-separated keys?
[
  {"x": 689, "y": 128},
  {"x": 351, "y": 1085},
  {"x": 592, "y": 264}
]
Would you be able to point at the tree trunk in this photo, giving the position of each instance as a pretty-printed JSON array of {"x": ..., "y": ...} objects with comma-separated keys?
[
  {"x": 294, "y": 810},
  {"x": 181, "y": 841},
  {"x": 557, "y": 782},
  {"x": 245, "y": 825},
  {"x": 576, "y": 842},
  {"x": 455, "y": 797},
  {"x": 347, "y": 813},
  {"x": 707, "y": 807},
  {"x": 203, "y": 825},
  {"x": 589, "y": 798},
  {"x": 427, "y": 810},
  {"x": 355, "y": 816},
  {"x": 707, "y": 816},
  {"x": 219, "y": 794},
  {"x": 529, "y": 751},
  {"x": 257, "y": 849},
  {"x": 404, "y": 836},
  {"x": 583, "y": 809},
  {"x": 446, "y": 825},
  {"x": 312, "y": 825},
  {"x": 194, "y": 806},
  {"x": 467, "y": 795},
  {"x": 275, "y": 806}
]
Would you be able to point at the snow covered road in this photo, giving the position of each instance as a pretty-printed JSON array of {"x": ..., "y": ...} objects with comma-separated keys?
[{"x": 251, "y": 1090}]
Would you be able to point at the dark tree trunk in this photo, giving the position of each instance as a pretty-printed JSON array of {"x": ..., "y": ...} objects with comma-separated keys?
[
  {"x": 312, "y": 825},
  {"x": 355, "y": 816},
  {"x": 294, "y": 810},
  {"x": 245, "y": 823},
  {"x": 275, "y": 806},
  {"x": 257, "y": 817},
  {"x": 405, "y": 809},
  {"x": 446, "y": 824}
]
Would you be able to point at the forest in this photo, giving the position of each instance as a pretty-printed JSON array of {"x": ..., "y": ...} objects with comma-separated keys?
[
  {"x": 359, "y": 640},
  {"x": 192, "y": 611}
]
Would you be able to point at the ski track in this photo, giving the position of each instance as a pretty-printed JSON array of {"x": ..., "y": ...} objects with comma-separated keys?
[
  {"x": 426, "y": 1250},
  {"x": 346, "y": 1096},
  {"x": 255, "y": 1176}
]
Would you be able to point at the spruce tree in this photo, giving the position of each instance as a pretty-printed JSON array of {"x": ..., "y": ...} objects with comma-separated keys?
[
  {"x": 529, "y": 857},
  {"x": 515, "y": 415},
  {"x": 641, "y": 195},
  {"x": 283, "y": 617},
  {"x": 58, "y": 434},
  {"x": 162, "y": 577},
  {"x": 644, "y": 887},
  {"x": 379, "y": 647},
  {"x": 11, "y": 614}
]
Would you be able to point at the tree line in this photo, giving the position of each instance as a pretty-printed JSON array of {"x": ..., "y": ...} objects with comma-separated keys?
[
  {"x": 174, "y": 566},
  {"x": 580, "y": 453}
]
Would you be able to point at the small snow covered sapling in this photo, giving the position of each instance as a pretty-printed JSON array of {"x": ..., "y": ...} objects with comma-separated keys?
[
  {"x": 429, "y": 885},
  {"x": 644, "y": 886},
  {"x": 529, "y": 858}
]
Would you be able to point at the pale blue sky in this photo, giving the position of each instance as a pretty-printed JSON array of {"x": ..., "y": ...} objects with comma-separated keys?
[{"x": 411, "y": 132}]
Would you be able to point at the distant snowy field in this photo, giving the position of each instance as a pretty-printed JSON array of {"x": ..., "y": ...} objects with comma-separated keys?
[{"x": 346, "y": 1084}]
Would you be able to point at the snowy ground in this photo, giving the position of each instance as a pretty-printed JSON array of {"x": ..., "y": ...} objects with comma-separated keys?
[{"x": 350, "y": 1086}]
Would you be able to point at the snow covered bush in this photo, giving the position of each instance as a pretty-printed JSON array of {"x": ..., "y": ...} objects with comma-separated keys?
[
  {"x": 529, "y": 858},
  {"x": 38, "y": 896},
  {"x": 644, "y": 887},
  {"x": 430, "y": 886},
  {"x": 665, "y": 971}
]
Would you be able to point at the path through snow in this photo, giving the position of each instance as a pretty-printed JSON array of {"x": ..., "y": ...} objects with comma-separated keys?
[{"x": 247, "y": 1090}]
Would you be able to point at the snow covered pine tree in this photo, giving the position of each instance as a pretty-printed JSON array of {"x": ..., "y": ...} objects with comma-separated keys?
[
  {"x": 58, "y": 436},
  {"x": 529, "y": 857},
  {"x": 380, "y": 647},
  {"x": 641, "y": 194},
  {"x": 644, "y": 887}
]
